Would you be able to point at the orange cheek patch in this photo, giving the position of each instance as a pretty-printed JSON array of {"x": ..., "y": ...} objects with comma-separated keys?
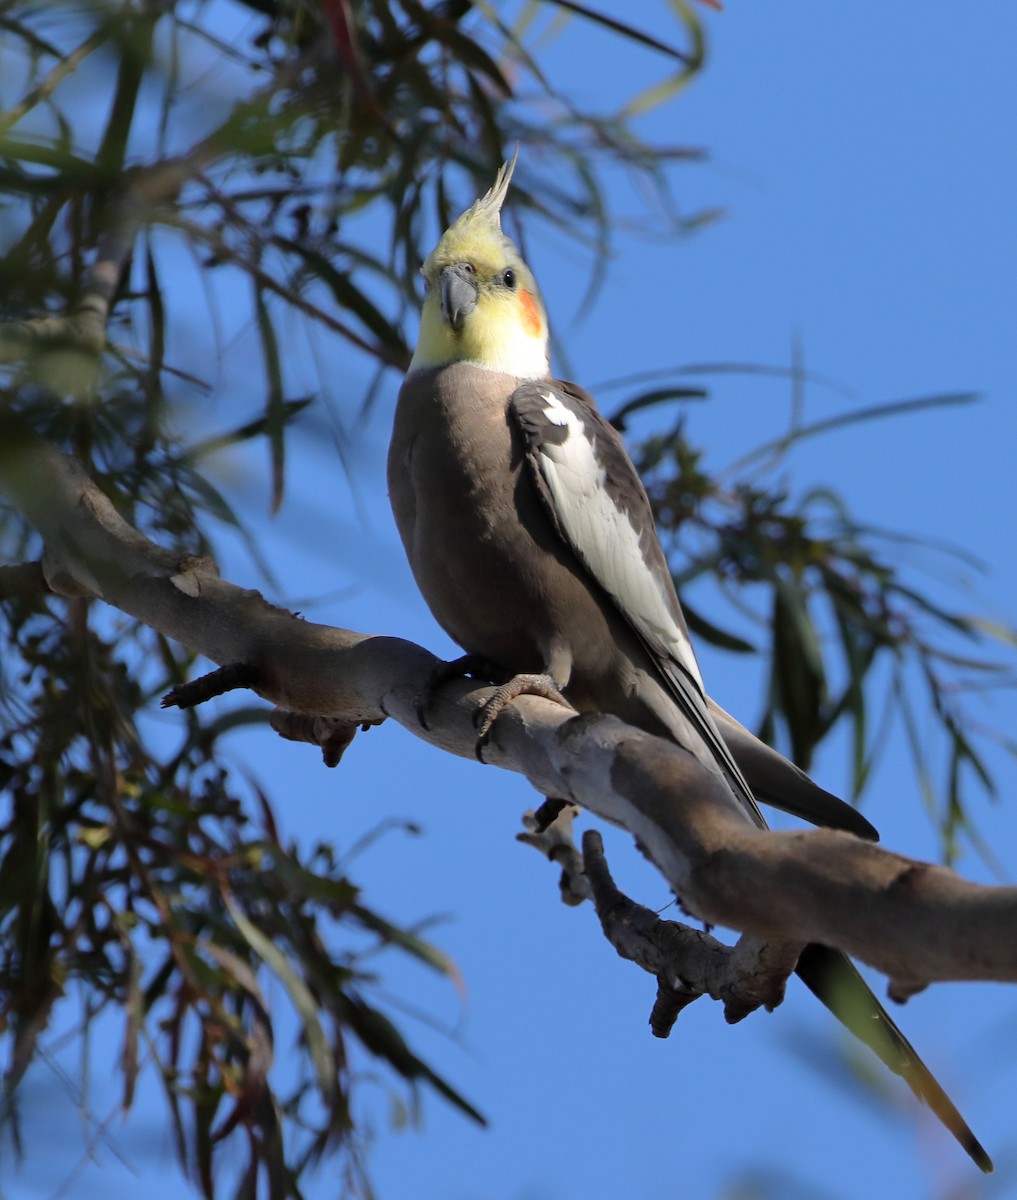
[{"x": 531, "y": 313}]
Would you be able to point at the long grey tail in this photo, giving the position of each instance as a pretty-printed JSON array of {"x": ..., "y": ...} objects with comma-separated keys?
[{"x": 833, "y": 979}]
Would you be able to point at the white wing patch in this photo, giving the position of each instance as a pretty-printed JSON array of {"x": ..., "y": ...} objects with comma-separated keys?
[{"x": 604, "y": 537}]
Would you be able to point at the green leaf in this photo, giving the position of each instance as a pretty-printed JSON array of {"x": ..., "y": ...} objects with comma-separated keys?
[
  {"x": 381, "y": 1037},
  {"x": 410, "y": 942},
  {"x": 996, "y": 630},
  {"x": 337, "y": 894},
  {"x": 700, "y": 627},
  {"x": 135, "y": 36},
  {"x": 873, "y": 412},
  {"x": 233, "y": 437},
  {"x": 667, "y": 89},
  {"x": 324, "y": 1063},
  {"x": 628, "y": 31},
  {"x": 654, "y": 397},
  {"x": 859, "y": 653},
  {"x": 347, "y": 295},
  {"x": 797, "y": 669},
  {"x": 134, "y": 1011},
  {"x": 466, "y": 50},
  {"x": 275, "y": 410},
  {"x": 44, "y": 154},
  {"x": 157, "y": 315},
  {"x": 28, "y": 35}
]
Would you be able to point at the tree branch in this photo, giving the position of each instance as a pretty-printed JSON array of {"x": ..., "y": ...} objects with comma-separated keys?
[
  {"x": 914, "y": 921},
  {"x": 687, "y": 963},
  {"x": 53, "y": 78}
]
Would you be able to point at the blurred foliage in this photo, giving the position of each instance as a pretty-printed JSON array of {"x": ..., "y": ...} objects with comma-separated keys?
[
  {"x": 298, "y": 157},
  {"x": 145, "y": 879}
]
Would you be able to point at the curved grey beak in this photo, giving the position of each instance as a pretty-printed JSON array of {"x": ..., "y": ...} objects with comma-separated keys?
[{"x": 458, "y": 294}]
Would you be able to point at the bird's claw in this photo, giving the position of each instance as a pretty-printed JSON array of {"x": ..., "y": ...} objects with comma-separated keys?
[{"x": 518, "y": 685}]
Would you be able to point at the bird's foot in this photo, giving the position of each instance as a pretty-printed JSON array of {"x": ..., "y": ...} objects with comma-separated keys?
[
  {"x": 518, "y": 685},
  {"x": 473, "y": 665}
]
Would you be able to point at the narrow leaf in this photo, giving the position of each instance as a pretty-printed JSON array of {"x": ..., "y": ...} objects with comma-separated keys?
[
  {"x": 424, "y": 951},
  {"x": 346, "y": 294},
  {"x": 654, "y": 397},
  {"x": 627, "y": 31},
  {"x": 702, "y": 628},
  {"x": 300, "y": 995},
  {"x": 798, "y": 669},
  {"x": 874, "y": 412},
  {"x": 275, "y": 417}
]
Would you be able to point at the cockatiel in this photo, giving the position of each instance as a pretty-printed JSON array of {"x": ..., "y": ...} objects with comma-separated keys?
[{"x": 533, "y": 543}]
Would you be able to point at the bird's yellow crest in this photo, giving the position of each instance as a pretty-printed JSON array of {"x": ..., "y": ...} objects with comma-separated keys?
[
  {"x": 479, "y": 227},
  {"x": 482, "y": 304}
]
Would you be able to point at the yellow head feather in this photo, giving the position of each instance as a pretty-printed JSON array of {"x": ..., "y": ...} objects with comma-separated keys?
[
  {"x": 479, "y": 227},
  {"x": 505, "y": 327}
]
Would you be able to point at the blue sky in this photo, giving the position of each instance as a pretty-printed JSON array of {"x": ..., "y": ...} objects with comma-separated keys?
[{"x": 863, "y": 155}]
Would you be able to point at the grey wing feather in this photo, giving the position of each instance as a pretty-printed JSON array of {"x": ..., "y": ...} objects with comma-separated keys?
[
  {"x": 776, "y": 780},
  {"x": 756, "y": 771},
  {"x": 599, "y": 506}
]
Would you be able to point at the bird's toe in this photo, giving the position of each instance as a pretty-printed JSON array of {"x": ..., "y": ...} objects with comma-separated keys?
[{"x": 518, "y": 685}]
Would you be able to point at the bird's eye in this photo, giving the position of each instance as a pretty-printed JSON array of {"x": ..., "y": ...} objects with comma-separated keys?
[{"x": 509, "y": 278}]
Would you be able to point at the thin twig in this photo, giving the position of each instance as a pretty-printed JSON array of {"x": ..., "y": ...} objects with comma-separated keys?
[{"x": 52, "y": 80}]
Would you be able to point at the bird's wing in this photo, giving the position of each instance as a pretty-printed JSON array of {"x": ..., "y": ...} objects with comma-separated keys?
[{"x": 600, "y": 508}]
